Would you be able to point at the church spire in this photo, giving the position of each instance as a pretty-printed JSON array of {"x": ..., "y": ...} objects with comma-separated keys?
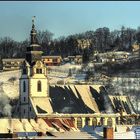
[
  {"x": 34, "y": 51},
  {"x": 33, "y": 32}
]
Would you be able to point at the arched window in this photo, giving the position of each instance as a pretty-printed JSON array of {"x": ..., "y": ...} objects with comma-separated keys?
[
  {"x": 94, "y": 122},
  {"x": 109, "y": 122},
  {"x": 39, "y": 86},
  {"x": 87, "y": 121},
  {"x": 79, "y": 122},
  {"x": 24, "y": 86},
  {"x": 102, "y": 121}
]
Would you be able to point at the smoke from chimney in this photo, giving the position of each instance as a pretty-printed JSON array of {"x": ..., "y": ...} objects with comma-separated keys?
[{"x": 5, "y": 107}]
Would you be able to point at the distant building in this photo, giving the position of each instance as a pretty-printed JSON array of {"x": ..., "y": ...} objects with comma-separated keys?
[
  {"x": 52, "y": 60},
  {"x": 84, "y": 43},
  {"x": 78, "y": 59},
  {"x": 135, "y": 48},
  {"x": 11, "y": 63}
]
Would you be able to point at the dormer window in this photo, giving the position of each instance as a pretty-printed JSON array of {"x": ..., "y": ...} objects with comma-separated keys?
[{"x": 38, "y": 71}]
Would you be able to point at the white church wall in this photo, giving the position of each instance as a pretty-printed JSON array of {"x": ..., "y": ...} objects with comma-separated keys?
[
  {"x": 33, "y": 87},
  {"x": 24, "y": 94}
]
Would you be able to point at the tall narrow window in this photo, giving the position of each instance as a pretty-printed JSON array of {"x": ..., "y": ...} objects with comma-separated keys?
[
  {"x": 39, "y": 86},
  {"x": 24, "y": 71},
  {"x": 24, "y": 86}
]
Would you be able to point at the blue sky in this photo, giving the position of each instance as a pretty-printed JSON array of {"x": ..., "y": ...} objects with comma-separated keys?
[{"x": 66, "y": 17}]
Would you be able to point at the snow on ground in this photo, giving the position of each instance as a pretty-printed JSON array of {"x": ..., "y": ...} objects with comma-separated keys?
[
  {"x": 10, "y": 88},
  {"x": 58, "y": 74},
  {"x": 65, "y": 68}
]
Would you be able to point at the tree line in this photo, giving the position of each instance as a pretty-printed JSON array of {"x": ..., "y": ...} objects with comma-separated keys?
[{"x": 102, "y": 40}]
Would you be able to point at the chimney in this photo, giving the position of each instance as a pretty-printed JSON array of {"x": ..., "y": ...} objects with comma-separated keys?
[{"x": 108, "y": 133}]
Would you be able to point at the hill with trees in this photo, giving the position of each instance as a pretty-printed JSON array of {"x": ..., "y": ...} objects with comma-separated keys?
[{"x": 102, "y": 40}]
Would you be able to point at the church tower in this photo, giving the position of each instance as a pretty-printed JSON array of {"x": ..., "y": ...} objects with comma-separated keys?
[
  {"x": 34, "y": 94},
  {"x": 34, "y": 52}
]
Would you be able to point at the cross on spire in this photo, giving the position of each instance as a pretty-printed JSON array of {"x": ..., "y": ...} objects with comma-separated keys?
[{"x": 33, "y": 20}]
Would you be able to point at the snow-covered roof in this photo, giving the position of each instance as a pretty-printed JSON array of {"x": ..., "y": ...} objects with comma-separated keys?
[
  {"x": 13, "y": 59},
  {"x": 42, "y": 105},
  {"x": 52, "y": 56},
  {"x": 74, "y": 98},
  {"x": 122, "y": 102}
]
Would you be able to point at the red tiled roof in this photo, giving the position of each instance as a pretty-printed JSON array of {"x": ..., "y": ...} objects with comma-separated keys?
[
  {"x": 70, "y": 123},
  {"x": 58, "y": 123},
  {"x": 65, "y": 124},
  {"x": 48, "y": 122}
]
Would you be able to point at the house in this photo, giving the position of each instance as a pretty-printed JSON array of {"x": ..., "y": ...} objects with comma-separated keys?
[
  {"x": 52, "y": 60},
  {"x": 12, "y": 63},
  {"x": 77, "y": 59},
  {"x": 9, "y": 64}
]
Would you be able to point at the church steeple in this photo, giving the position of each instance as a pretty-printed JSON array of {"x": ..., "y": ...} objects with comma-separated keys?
[
  {"x": 33, "y": 52},
  {"x": 33, "y": 33},
  {"x": 34, "y": 90}
]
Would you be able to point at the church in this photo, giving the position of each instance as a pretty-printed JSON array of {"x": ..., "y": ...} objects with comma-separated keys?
[
  {"x": 84, "y": 104},
  {"x": 33, "y": 83}
]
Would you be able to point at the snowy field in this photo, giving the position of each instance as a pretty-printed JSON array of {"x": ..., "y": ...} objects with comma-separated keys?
[{"x": 9, "y": 81}]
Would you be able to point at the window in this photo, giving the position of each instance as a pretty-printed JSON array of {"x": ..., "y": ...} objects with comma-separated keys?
[
  {"x": 38, "y": 71},
  {"x": 79, "y": 122},
  {"x": 109, "y": 122},
  {"x": 39, "y": 86},
  {"x": 24, "y": 71},
  {"x": 24, "y": 86},
  {"x": 30, "y": 109},
  {"x": 24, "y": 111},
  {"x": 55, "y": 60},
  {"x": 9, "y": 63},
  {"x": 94, "y": 122},
  {"x": 18, "y": 109},
  {"x": 24, "y": 99},
  {"x": 87, "y": 121}
]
